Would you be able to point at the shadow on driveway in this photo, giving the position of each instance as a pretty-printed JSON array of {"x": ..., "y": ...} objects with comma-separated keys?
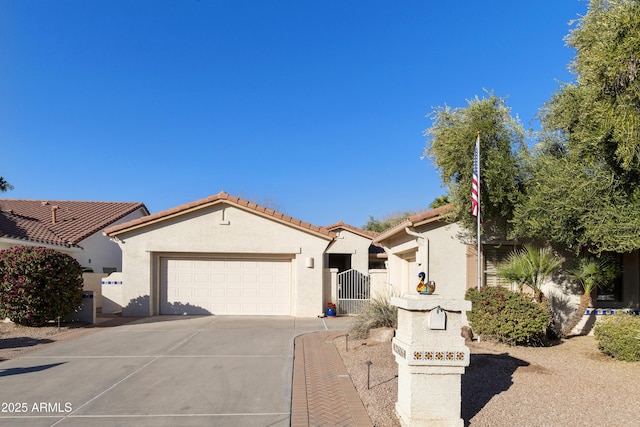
[
  {"x": 18, "y": 371},
  {"x": 17, "y": 342}
]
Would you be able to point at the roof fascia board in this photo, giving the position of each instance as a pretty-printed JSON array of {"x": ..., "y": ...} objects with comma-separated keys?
[
  {"x": 390, "y": 232},
  {"x": 205, "y": 205},
  {"x": 23, "y": 242},
  {"x": 400, "y": 227},
  {"x": 329, "y": 237}
]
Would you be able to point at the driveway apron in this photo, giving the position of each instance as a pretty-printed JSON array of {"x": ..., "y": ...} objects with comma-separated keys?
[{"x": 160, "y": 371}]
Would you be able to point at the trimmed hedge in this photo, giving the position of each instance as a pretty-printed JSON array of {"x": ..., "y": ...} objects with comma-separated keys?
[
  {"x": 619, "y": 336},
  {"x": 38, "y": 284},
  {"x": 508, "y": 317}
]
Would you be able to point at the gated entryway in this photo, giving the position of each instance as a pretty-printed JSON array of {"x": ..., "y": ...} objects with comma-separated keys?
[{"x": 353, "y": 291}]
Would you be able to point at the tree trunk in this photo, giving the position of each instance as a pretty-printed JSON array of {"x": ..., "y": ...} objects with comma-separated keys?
[
  {"x": 538, "y": 295},
  {"x": 586, "y": 301}
]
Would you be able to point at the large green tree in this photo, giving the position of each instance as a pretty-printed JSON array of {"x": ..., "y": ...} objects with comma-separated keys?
[
  {"x": 599, "y": 114},
  {"x": 4, "y": 185},
  {"x": 583, "y": 188},
  {"x": 389, "y": 220},
  {"x": 450, "y": 145}
]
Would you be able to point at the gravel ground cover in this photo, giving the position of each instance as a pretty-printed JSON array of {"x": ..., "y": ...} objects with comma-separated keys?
[
  {"x": 570, "y": 384},
  {"x": 16, "y": 340}
]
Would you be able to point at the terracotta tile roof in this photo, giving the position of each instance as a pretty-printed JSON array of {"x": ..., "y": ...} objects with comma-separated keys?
[
  {"x": 221, "y": 197},
  {"x": 59, "y": 222},
  {"x": 357, "y": 230},
  {"x": 414, "y": 221}
]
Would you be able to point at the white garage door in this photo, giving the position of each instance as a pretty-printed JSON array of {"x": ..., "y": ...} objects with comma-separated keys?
[{"x": 217, "y": 286}]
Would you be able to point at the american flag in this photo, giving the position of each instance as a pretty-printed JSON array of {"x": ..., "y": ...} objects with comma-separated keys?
[{"x": 475, "y": 205}]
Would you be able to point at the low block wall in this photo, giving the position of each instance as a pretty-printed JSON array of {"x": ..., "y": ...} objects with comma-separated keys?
[
  {"x": 592, "y": 315},
  {"x": 112, "y": 299},
  {"x": 93, "y": 282}
]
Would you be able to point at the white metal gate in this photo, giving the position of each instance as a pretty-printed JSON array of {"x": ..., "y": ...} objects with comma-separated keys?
[{"x": 353, "y": 291}]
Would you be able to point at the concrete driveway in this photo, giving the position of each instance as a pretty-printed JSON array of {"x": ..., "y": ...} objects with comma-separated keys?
[{"x": 161, "y": 371}]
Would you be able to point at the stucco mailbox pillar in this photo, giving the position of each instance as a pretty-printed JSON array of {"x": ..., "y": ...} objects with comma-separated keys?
[{"x": 431, "y": 358}]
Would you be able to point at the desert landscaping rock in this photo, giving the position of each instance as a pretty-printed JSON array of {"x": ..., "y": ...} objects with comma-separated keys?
[{"x": 381, "y": 334}]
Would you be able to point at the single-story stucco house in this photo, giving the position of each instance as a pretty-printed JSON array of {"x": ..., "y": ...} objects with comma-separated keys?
[
  {"x": 222, "y": 255},
  {"x": 226, "y": 255},
  {"x": 71, "y": 227}
]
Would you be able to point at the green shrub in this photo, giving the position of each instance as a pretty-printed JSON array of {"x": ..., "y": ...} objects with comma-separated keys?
[
  {"x": 378, "y": 313},
  {"x": 38, "y": 284},
  {"x": 619, "y": 336},
  {"x": 507, "y": 317}
]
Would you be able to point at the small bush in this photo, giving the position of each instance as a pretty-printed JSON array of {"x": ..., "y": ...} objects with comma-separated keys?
[
  {"x": 619, "y": 336},
  {"x": 378, "y": 313},
  {"x": 38, "y": 284},
  {"x": 507, "y": 317}
]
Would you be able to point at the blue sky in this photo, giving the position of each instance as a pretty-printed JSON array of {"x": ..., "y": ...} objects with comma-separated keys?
[{"x": 315, "y": 107}]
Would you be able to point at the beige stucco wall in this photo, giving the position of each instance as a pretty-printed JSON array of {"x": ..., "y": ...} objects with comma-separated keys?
[
  {"x": 93, "y": 282},
  {"x": 442, "y": 256},
  {"x": 380, "y": 284},
  {"x": 348, "y": 242},
  {"x": 227, "y": 231},
  {"x": 100, "y": 252}
]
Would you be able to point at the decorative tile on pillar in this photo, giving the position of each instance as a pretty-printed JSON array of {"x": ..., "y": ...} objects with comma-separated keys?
[
  {"x": 399, "y": 351},
  {"x": 453, "y": 356}
]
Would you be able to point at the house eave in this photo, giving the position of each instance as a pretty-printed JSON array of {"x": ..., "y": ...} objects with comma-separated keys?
[
  {"x": 221, "y": 198},
  {"x": 70, "y": 247}
]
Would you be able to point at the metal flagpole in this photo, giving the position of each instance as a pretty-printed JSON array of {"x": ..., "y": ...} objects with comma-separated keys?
[{"x": 479, "y": 213}]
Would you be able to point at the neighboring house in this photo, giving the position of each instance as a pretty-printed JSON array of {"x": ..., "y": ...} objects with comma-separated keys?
[
  {"x": 222, "y": 255},
  {"x": 72, "y": 227}
]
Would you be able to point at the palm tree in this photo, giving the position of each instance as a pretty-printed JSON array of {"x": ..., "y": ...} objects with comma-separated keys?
[
  {"x": 4, "y": 185},
  {"x": 530, "y": 266},
  {"x": 591, "y": 273}
]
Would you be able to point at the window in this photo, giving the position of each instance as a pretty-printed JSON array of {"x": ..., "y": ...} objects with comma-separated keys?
[
  {"x": 613, "y": 291},
  {"x": 494, "y": 255}
]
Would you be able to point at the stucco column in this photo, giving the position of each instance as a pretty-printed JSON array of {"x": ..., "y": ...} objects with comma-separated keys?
[
  {"x": 334, "y": 287},
  {"x": 431, "y": 358}
]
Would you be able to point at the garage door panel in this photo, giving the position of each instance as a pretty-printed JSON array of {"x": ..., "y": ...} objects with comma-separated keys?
[
  {"x": 267, "y": 293},
  {"x": 202, "y": 293},
  {"x": 233, "y": 278},
  {"x": 248, "y": 307},
  {"x": 250, "y": 279},
  {"x": 198, "y": 286},
  {"x": 218, "y": 293},
  {"x": 281, "y": 294},
  {"x": 250, "y": 293}
]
